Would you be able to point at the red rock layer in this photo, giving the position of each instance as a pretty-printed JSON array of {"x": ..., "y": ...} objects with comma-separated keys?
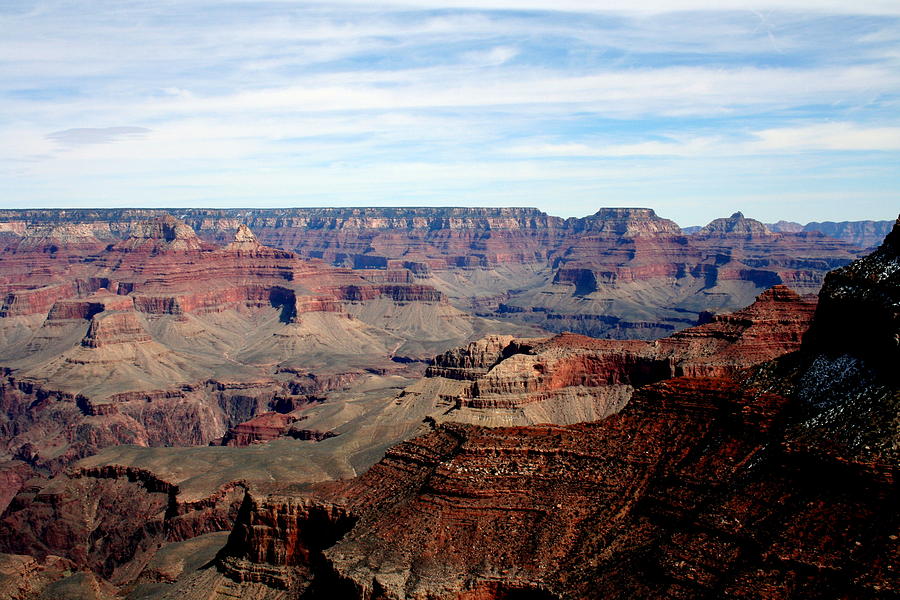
[
  {"x": 76, "y": 308},
  {"x": 37, "y": 300},
  {"x": 702, "y": 487},
  {"x": 261, "y": 428},
  {"x": 427, "y": 238},
  {"x": 622, "y": 272},
  {"x": 684, "y": 494},
  {"x": 135, "y": 510},
  {"x": 773, "y": 325},
  {"x": 161, "y": 263},
  {"x": 114, "y": 328},
  {"x": 506, "y": 372}
]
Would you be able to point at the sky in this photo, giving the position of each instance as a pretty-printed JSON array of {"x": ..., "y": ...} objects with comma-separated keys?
[{"x": 786, "y": 109}]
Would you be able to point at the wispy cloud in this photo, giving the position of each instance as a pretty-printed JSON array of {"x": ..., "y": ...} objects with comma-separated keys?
[
  {"x": 827, "y": 137},
  {"x": 461, "y": 101},
  {"x": 81, "y": 136}
]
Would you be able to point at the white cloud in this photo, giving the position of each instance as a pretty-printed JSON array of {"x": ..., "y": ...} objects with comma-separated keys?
[
  {"x": 355, "y": 102},
  {"x": 828, "y": 136},
  {"x": 866, "y": 7},
  {"x": 81, "y": 136},
  {"x": 820, "y": 137},
  {"x": 493, "y": 56},
  {"x": 675, "y": 90}
]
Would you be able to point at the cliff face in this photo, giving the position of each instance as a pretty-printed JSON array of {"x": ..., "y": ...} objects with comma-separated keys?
[
  {"x": 135, "y": 510},
  {"x": 166, "y": 339},
  {"x": 737, "y": 458},
  {"x": 621, "y": 272},
  {"x": 866, "y": 234},
  {"x": 848, "y": 383},
  {"x": 859, "y": 311},
  {"x": 702, "y": 486}
]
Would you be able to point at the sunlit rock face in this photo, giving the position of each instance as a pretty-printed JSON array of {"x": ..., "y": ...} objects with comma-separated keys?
[
  {"x": 622, "y": 272},
  {"x": 164, "y": 339},
  {"x": 737, "y": 483},
  {"x": 752, "y": 455}
]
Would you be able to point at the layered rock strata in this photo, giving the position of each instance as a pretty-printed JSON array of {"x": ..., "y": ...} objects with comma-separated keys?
[
  {"x": 165, "y": 339},
  {"x": 135, "y": 510},
  {"x": 621, "y": 273},
  {"x": 570, "y": 378},
  {"x": 725, "y": 486}
]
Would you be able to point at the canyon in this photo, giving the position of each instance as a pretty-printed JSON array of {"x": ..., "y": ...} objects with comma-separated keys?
[
  {"x": 402, "y": 403},
  {"x": 621, "y": 273},
  {"x": 163, "y": 339}
]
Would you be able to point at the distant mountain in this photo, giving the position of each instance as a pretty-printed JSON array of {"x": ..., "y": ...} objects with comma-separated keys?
[
  {"x": 865, "y": 234},
  {"x": 786, "y": 227}
]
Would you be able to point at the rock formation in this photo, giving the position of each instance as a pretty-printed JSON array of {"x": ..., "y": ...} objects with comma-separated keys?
[
  {"x": 724, "y": 486},
  {"x": 866, "y": 234},
  {"x": 742, "y": 457},
  {"x": 736, "y": 224},
  {"x": 165, "y": 339},
  {"x": 261, "y": 428},
  {"x": 622, "y": 272},
  {"x": 570, "y": 378},
  {"x": 135, "y": 511}
]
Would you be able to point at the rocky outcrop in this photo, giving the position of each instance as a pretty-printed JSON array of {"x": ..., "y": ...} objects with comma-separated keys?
[
  {"x": 847, "y": 383},
  {"x": 469, "y": 362},
  {"x": 13, "y": 475},
  {"x": 36, "y": 300},
  {"x": 775, "y": 324},
  {"x": 244, "y": 241},
  {"x": 858, "y": 312},
  {"x": 114, "y": 327},
  {"x": 135, "y": 510},
  {"x": 276, "y": 536},
  {"x": 161, "y": 234},
  {"x": 736, "y": 224},
  {"x": 261, "y": 428},
  {"x": 775, "y": 480},
  {"x": 507, "y": 373},
  {"x": 626, "y": 222},
  {"x": 584, "y": 280},
  {"x": 87, "y": 308}
]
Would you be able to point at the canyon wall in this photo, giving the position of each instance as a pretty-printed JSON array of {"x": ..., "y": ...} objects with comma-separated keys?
[
  {"x": 703, "y": 486},
  {"x": 622, "y": 272},
  {"x": 752, "y": 455}
]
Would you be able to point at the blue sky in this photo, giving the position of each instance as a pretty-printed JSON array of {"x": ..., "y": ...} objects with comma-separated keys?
[{"x": 784, "y": 110}]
